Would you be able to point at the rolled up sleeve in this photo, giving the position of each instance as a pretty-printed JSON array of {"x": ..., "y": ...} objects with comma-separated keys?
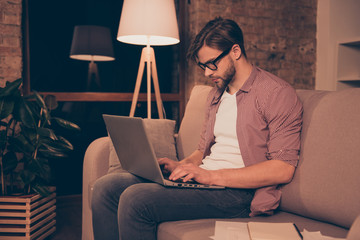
[{"x": 284, "y": 116}]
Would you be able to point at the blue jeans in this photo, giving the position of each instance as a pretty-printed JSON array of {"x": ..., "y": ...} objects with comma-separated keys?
[{"x": 130, "y": 208}]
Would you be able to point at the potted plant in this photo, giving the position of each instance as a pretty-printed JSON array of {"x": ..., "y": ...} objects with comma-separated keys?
[{"x": 28, "y": 139}]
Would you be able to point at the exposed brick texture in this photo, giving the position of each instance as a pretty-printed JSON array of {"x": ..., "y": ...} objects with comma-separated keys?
[
  {"x": 280, "y": 35},
  {"x": 10, "y": 40}
]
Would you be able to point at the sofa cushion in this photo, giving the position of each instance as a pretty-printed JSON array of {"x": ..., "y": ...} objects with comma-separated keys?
[
  {"x": 191, "y": 124},
  {"x": 326, "y": 183},
  {"x": 161, "y": 134}
]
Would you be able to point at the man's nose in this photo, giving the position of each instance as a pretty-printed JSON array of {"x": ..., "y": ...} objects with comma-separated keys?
[{"x": 208, "y": 72}]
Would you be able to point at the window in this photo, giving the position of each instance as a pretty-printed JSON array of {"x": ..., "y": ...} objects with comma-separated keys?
[{"x": 48, "y": 69}]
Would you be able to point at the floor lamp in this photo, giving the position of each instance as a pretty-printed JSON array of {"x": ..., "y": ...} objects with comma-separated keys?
[
  {"x": 149, "y": 23},
  {"x": 92, "y": 43}
]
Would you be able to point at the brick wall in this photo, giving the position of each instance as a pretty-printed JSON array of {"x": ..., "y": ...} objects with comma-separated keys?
[
  {"x": 10, "y": 40},
  {"x": 280, "y": 35}
]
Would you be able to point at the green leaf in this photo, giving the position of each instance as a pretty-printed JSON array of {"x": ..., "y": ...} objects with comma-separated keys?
[
  {"x": 47, "y": 132},
  {"x": 43, "y": 190},
  {"x": 64, "y": 143},
  {"x": 66, "y": 124},
  {"x": 42, "y": 106},
  {"x": 40, "y": 101},
  {"x": 23, "y": 113},
  {"x": 40, "y": 167},
  {"x": 3, "y": 138},
  {"x": 50, "y": 152},
  {"x": 50, "y": 101},
  {"x": 7, "y": 104},
  {"x": 6, "y": 107},
  {"x": 30, "y": 134},
  {"x": 61, "y": 144},
  {"x": 20, "y": 144},
  {"x": 10, "y": 88},
  {"x": 27, "y": 176}
]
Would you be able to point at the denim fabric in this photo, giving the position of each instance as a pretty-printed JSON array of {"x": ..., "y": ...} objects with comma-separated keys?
[{"x": 128, "y": 207}]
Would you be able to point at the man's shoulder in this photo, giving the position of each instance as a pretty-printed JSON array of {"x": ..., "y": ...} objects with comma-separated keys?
[
  {"x": 268, "y": 81},
  {"x": 270, "y": 88}
]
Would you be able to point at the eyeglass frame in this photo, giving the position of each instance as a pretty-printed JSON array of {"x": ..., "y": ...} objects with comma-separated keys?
[{"x": 203, "y": 66}]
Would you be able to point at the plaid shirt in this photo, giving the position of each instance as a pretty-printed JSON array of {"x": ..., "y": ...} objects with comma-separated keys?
[{"x": 269, "y": 120}]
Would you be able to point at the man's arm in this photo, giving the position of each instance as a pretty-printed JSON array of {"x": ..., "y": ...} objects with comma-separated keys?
[
  {"x": 266, "y": 173},
  {"x": 262, "y": 174},
  {"x": 194, "y": 158}
]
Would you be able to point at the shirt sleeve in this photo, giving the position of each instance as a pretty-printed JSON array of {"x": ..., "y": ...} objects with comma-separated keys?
[
  {"x": 202, "y": 142},
  {"x": 283, "y": 113}
]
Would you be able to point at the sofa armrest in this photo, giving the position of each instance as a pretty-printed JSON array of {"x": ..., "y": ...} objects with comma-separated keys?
[
  {"x": 354, "y": 232},
  {"x": 96, "y": 165}
]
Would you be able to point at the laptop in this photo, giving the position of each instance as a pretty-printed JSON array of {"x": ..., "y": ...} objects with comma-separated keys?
[{"x": 136, "y": 153}]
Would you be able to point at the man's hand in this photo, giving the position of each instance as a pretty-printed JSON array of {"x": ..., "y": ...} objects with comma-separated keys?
[
  {"x": 186, "y": 171},
  {"x": 190, "y": 171}
]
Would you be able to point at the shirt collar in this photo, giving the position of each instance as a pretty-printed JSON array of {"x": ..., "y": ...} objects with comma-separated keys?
[{"x": 246, "y": 87}]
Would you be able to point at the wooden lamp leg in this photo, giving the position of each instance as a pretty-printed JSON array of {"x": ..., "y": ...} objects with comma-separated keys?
[
  {"x": 148, "y": 56},
  {"x": 156, "y": 85},
  {"x": 138, "y": 83}
]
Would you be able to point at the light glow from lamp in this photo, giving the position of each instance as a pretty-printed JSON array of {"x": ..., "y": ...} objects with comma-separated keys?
[{"x": 148, "y": 22}]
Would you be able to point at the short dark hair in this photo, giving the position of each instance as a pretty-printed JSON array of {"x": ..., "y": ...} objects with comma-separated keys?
[{"x": 218, "y": 33}]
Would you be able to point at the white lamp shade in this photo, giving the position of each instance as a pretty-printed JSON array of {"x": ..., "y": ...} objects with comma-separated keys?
[
  {"x": 92, "y": 43},
  {"x": 150, "y": 22}
]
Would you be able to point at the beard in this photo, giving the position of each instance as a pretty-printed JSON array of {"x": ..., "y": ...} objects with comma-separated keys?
[{"x": 227, "y": 78}]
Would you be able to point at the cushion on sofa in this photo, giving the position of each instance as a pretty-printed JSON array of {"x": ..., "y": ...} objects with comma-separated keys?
[
  {"x": 161, "y": 134},
  {"x": 191, "y": 124},
  {"x": 326, "y": 184}
]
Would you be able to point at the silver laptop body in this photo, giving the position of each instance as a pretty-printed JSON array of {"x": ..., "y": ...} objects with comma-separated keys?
[{"x": 136, "y": 153}]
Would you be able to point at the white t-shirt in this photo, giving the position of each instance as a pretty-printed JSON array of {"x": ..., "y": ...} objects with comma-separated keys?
[{"x": 225, "y": 153}]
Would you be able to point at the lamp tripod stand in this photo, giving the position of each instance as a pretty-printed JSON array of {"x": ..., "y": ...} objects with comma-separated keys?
[{"x": 148, "y": 57}]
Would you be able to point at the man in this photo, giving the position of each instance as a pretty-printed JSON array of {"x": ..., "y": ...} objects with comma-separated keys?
[{"x": 249, "y": 144}]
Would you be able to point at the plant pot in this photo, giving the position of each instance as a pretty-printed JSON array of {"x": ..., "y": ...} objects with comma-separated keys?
[{"x": 27, "y": 217}]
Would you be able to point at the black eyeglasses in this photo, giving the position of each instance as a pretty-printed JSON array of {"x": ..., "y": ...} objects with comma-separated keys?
[{"x": 212, "y": 64}]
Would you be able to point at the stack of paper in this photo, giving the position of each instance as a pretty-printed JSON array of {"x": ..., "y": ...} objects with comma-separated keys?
[
  {"x": 273, "y": 231},
  {"x": 228, "y": 230}
]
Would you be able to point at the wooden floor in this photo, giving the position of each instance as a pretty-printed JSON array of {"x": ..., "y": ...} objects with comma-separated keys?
[{"x": 68, "y": 218}]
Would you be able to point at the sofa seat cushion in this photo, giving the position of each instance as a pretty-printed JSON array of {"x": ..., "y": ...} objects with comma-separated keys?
[{"x": 203, "y": 229}]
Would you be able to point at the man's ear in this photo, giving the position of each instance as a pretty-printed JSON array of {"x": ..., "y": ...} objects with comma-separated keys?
[{"x": 236, "y": 52}]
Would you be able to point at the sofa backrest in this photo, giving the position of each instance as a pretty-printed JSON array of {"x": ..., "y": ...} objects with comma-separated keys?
[
  {"x": 326, "y": 184},
  {"x": 191, "y": 124}
]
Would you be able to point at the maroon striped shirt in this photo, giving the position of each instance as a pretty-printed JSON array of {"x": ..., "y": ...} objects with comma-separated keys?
[{"x": 269, "y": 120}]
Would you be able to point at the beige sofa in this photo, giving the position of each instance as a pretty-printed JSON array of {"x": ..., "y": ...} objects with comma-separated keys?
[{"x": 325, "y": 192}]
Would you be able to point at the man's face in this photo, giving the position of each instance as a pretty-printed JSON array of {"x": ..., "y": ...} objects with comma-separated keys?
[{"x": 225, "y": 71}]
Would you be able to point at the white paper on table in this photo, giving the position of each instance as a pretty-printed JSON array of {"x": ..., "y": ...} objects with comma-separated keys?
[
  {"x": 317, "y": 236},
  {"x": 225, "y": 230}
]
